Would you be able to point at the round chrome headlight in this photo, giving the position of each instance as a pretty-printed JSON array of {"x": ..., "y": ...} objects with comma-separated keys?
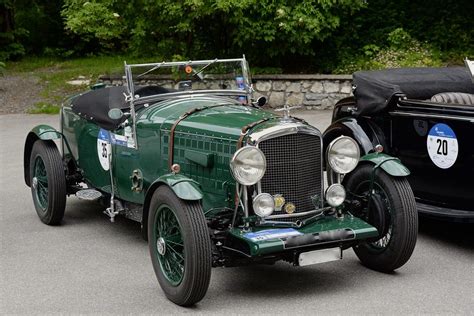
[
  {"x": 335, "y": 195},
  {"x": 343, "y": 154},
  {"x": 263, "y": 204},
  {"x": 248, "y": 165}
]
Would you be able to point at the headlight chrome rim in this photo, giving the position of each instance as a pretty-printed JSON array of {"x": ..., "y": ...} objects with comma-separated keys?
[
  {"x": 335, "y": 195},
  {"x": 334, "y": 152},
  {"x": 268, "y": 209},
  {"x": 238, "y": 174}
]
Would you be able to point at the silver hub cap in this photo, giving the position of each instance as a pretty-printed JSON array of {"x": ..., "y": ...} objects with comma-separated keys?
[
  {"x": 35, "y": 182},
  {"x": 161, "y": 246}
]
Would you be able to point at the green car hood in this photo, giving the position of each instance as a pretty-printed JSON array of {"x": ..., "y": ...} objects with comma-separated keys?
[{"x": 220, "y": 117}]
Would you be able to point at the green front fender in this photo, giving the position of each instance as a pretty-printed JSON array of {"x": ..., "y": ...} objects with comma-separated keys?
[
  {"x": 46, "y": 132},
  {"x": 391, "y": 165},
  {"x": 184, "y": 187}
]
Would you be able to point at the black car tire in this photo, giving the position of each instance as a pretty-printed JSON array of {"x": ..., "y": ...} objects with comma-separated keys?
[
  {"x": 46, "y": 154},
  {"x": 195, "y": 241},
  {"x": 403, "y": 219}
]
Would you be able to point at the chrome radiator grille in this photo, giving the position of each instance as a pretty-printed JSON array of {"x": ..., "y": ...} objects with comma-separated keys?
[{"x": 293, "y": 169}]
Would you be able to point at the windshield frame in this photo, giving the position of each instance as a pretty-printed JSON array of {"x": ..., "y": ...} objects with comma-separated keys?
[
  {"x": 133, "y": 99},
  {"x": 150, "y": 67}
]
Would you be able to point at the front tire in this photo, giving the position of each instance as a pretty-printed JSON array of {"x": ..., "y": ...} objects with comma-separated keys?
[
  {"x": 180, "y": 247},
  {"x": 393, "y": 249},
  {"x": 48, "y": 182}
]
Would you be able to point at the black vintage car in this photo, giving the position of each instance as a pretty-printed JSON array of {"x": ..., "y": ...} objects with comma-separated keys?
[{"x": 424, "y": 116}]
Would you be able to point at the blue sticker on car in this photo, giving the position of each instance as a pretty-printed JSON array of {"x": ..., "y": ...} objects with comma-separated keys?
[
  {"x": 103, "y": 135},
  {"x": 272, "y": 234},
  {"x": 118, "y": 140},
  {"x": 442, "y": 146}
]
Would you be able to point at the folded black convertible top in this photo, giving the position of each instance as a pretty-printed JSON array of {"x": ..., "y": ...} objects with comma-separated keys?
[
  {"x": 94, "y": 105},
  {"x": 375, "y": 88}
]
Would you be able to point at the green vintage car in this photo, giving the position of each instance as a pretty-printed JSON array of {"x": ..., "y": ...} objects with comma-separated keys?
[{"x": 215, "y": 181}]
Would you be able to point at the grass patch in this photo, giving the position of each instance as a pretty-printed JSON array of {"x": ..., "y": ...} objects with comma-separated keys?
[
  {"x": 2, "y": 68},
  {"x": 44, "y": 108}
]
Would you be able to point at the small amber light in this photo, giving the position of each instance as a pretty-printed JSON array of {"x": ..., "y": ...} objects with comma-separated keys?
[
  {"x": 290, "y": 208},
  {"x": 175, "y": 168},
  {"x": 279, "y": 201},
  {"x": 188, "y": 69}
]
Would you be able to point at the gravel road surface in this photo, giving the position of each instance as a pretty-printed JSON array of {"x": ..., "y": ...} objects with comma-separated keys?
[{"x": 18, "y": 93}]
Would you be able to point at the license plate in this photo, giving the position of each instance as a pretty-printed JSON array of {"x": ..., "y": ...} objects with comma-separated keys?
[{"x": 319, "y": 256}]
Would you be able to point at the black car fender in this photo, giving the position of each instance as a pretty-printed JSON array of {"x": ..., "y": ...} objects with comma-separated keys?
[{"x": 362, "y": 130}]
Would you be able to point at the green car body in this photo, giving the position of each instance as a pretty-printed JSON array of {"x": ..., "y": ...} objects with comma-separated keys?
[{"x": 187, "y": 144}]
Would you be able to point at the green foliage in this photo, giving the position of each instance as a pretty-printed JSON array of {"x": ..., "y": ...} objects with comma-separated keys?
[
  {"x": 266, "y": 30},
  {"x": 402, "y": 51},
  {"x": 44, "y": 108},
  {"x": 94, "y": 21},
  {"x": 400, "y": 39},
  {"x": 10, "y": 46},
  {"x": 294, "y": 36},
  {"x": 3, "y": 66}
]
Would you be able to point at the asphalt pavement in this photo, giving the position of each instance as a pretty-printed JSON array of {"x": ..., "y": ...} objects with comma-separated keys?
[{"x": 90, "y": 265}]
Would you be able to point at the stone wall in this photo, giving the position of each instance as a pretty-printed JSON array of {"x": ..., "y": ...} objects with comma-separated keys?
[{"x": 314, "y": 92}]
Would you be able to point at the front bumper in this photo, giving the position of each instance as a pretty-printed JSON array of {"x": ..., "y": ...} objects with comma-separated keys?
[
  {"x": 445, "y": 213},
  {"x": 327, "y": 232}
]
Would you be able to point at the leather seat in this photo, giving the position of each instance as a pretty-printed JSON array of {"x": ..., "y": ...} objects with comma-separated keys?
[{"x": 454, "y": 98}]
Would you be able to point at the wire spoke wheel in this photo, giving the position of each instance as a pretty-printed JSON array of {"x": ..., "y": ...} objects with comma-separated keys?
[
  {"x": 40, "y": 183},
  {"x": 169, "y": 245},
  {"x": 363, "y": 189},
  {"x": 388, "y": 204},
  {"x": 180, "y": 247},
  {"x": 47, "y": 182}
]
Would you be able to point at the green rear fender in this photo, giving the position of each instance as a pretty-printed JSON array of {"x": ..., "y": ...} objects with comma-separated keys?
[
  {"x": 43, "y": 132},
  {"x": 46, "y": 132},
  {"x": 391, "y": 165}
]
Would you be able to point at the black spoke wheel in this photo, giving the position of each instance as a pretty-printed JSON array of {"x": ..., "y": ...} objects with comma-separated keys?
[
  {"x": 390, "y": 206},
  {"x": 180, "y": 247},
  {"x": 48, "y": 182}
]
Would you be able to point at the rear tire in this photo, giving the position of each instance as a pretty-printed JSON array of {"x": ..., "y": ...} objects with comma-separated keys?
[
  {"x": 393, "y": 249},
  {"x": 47, "y": 182},
  {"x": 180, "y": 247}
]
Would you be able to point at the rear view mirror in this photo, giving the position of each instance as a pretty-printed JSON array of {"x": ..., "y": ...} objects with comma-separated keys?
[
  {"x": 261, "y": 101},
  {"x": 115, "y": 114}
]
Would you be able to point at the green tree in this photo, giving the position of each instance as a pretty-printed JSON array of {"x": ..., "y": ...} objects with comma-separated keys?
[
  {"x": 265, "y": 29},
  {"x": 10, "y": 46}
]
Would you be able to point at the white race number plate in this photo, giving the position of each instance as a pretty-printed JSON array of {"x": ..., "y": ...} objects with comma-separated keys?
[{"x": 319, "y": 256}]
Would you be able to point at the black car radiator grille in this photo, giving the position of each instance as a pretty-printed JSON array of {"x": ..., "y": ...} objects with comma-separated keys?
[{"x": 293, "y": 169}]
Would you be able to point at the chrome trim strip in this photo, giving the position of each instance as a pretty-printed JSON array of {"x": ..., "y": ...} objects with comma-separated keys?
[
  {"x": 189, "y": 94},
  {"x": 190, "y": 62},
  {"x": 298, "y": 214},
  {"x": 450, "y": 117},
  {"x": 282, "y": 129}
]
